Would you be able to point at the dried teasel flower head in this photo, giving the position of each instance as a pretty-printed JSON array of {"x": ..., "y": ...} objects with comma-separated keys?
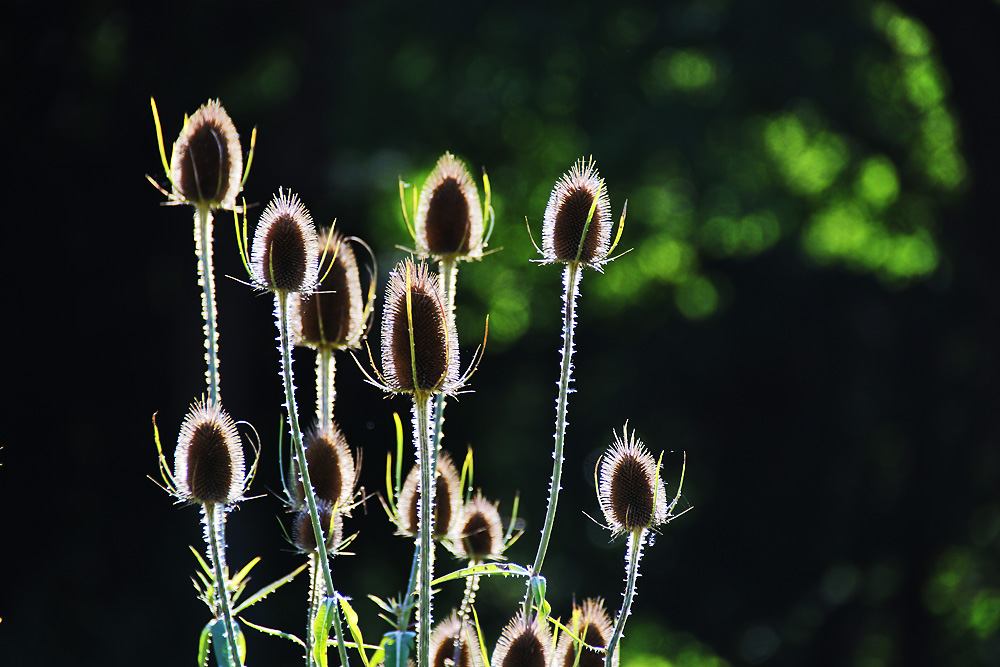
[
  {"x": 447, "y": 499},
  {"x": 334, "y": 315},
  {"x": 332, "y": 522},
  {"x": 591, "y": 624},
  {"x": 285, "y": 252},
  {"x": 208, "y": 461},
  {"x": 449, "y": 220},
  {"x": 630, "y": 491},
  {"x": 331, "y": 470},
  {"x": 443, "y": 644},
  {"x": 577, "y": 224},
  {"x": 523, "y": 644},
  {"x": 479, "y": 533},
  {"x": 206, "y": 164},
  {"x": 419, "y": 342}
]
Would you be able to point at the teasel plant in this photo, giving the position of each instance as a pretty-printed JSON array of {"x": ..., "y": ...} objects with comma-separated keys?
[
  {"x": 585, "y": 639},
  {"x": 633, "y": 500},
  {"x": 420, "y": 358},
  {"x": 576, "y": 232},
  {"x": 284, "y": 259}
]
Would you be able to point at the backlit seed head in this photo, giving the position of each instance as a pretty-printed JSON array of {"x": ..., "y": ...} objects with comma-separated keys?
[
  {"x": 285, "y": 253},
  {"x": 523, "y": 644},
  {"x": 303, "y": 535},
  {"x": 447, "y": 499},
  {"x": 479, "y": 533},
  {"x": 208, "y": 461},
  {"x": 449, "y": 217},
  {"x": 570, "y": 204},
  {"x": 413, "y": 305},
  {"x": 331, "y": 469},
  {"x": 206, "y": 163},
  {"x": 443, "y": 644},
  {"x": 591, "y": 624},
  {"x": 333, "y": 316},
  {"x": 631, "y": 494}
]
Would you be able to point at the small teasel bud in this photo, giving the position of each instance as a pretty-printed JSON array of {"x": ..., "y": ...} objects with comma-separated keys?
[
  {"x": 208, "y": 461},
  {"x": 447, "y": 499},
  {"x": 206, "y": 164},
  {"x": 303, "y": 535},
  {"x": 331, "y": 469},
  {"x": 523, "y": 644},
  {"x": 333, "y": 315},
  {"x": 591, "y": 624},
  {"x": 632, "y": 495},
  {"x": 413, "y": 305},
  {"x": 566, "y": 235},
  {"x": 443, "y": 644},
  {"x": 285, "y": 253},
  {"x": 449, "y": 218},
  {"x": 479, "y": 531}
]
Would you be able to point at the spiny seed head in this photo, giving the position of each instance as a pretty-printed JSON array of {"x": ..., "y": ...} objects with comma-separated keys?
[
  {"x": 333, "y": 315},
  {"x": 632, "y": 496},
  {"x": 413, "y": 305},
  {"x": 449, "y": 217},
  {"x": 208, "y": 461},
  {"x": 447, "y": 499},
  {"x": 479, "y": 531},
  {"x": 570, "y": 204},
  {"x": 285, "y": 253},
  {"x": 443, "y": 644},
  {"x": 523, "y": 644},
  {"x": 206, "y": 163},
  {"x": 303, "y": 535},
  {"x": 331, "y": 469},
  {"x": 591, "y": 624}
]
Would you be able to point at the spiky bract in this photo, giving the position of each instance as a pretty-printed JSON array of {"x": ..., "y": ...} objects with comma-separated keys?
[
  {"x": 566, "y": 234},
  {"x": 523, "y": 644},
  {"x": 208, "y": 461},
  {"x": 285, "y": 252},
  {"x": 631, "y": 493}
]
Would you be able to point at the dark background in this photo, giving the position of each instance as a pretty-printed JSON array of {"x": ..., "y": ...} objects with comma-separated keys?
[{"x": 837, "y": 403}]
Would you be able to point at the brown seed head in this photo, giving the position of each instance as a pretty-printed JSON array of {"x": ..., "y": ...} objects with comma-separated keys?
[
  {"x": 447, "y": 499},
  {"x": 413, "y": 303},
  {"x": 285, "y": 253},
  {"x": 591, "y": 624},
  {"x": 208, "y": 461},
  {"x": 443, "y": 644},
  {"x": 449, "y": 217},
  {"x": 570, "y": 204},
  {"x": 523, "y": 644},
  {"x": 206, "y": 163},
  {"x": 331, "y": 469},
  {"x": 333, "y": 315},
  {"x": 632, "y": 496},
  {"x": 479, "y": 531},
  {"x": 302, "y": 529}
]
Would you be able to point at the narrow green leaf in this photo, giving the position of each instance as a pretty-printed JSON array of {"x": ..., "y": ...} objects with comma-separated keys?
[
  {"x": 352, "y": 623},
  {"x": 244, "y": 572},
  {"x": 275, "y": 633},
  {"x": 267, "y": 590},
  {"x": 203, "y": 642},
  {"x": 321, "y": 629},
  {"x": 503, "y": 569}
]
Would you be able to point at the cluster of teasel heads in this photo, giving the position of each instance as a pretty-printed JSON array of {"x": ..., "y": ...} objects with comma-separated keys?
[{"x": 319, "y": 304}]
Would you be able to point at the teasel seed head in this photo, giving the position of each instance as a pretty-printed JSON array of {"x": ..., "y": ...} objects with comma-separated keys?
[
  {"x": 302, "y": 530},
  {"x": 447, "y": 499},
  {"x": 630, "y": 491},
  {"x": 479, "y": 533},
  {"x": 523, "y": 644},
  {"x": 443, "y": 644},
  {"x": 449, "y": 219},
  {"x": 590, "y": 623},
  {"x": 206, "y": 164},
  {"x": 413, "y": 305},
  {"x": 208, "y": 461},
  {"x": 333, "y": 316},
  {"x": 331, "y": 470},
  {"x": 285, "y": 253},
  {"x": 566, "y": 235}
]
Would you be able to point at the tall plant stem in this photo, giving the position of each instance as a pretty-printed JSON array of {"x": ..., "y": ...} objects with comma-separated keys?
[
  {"x": 214, "y": 519},
  {"x": 206, "y": 278},
  {"x": 300, "y": 454},
  {"x": 635, "y": 541},
  {"x": 571, "y": 281},
  {"x": 425, "y": 533},
  {"x": 448, "y": 281},
  {"x": 326, "y": 369}
]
